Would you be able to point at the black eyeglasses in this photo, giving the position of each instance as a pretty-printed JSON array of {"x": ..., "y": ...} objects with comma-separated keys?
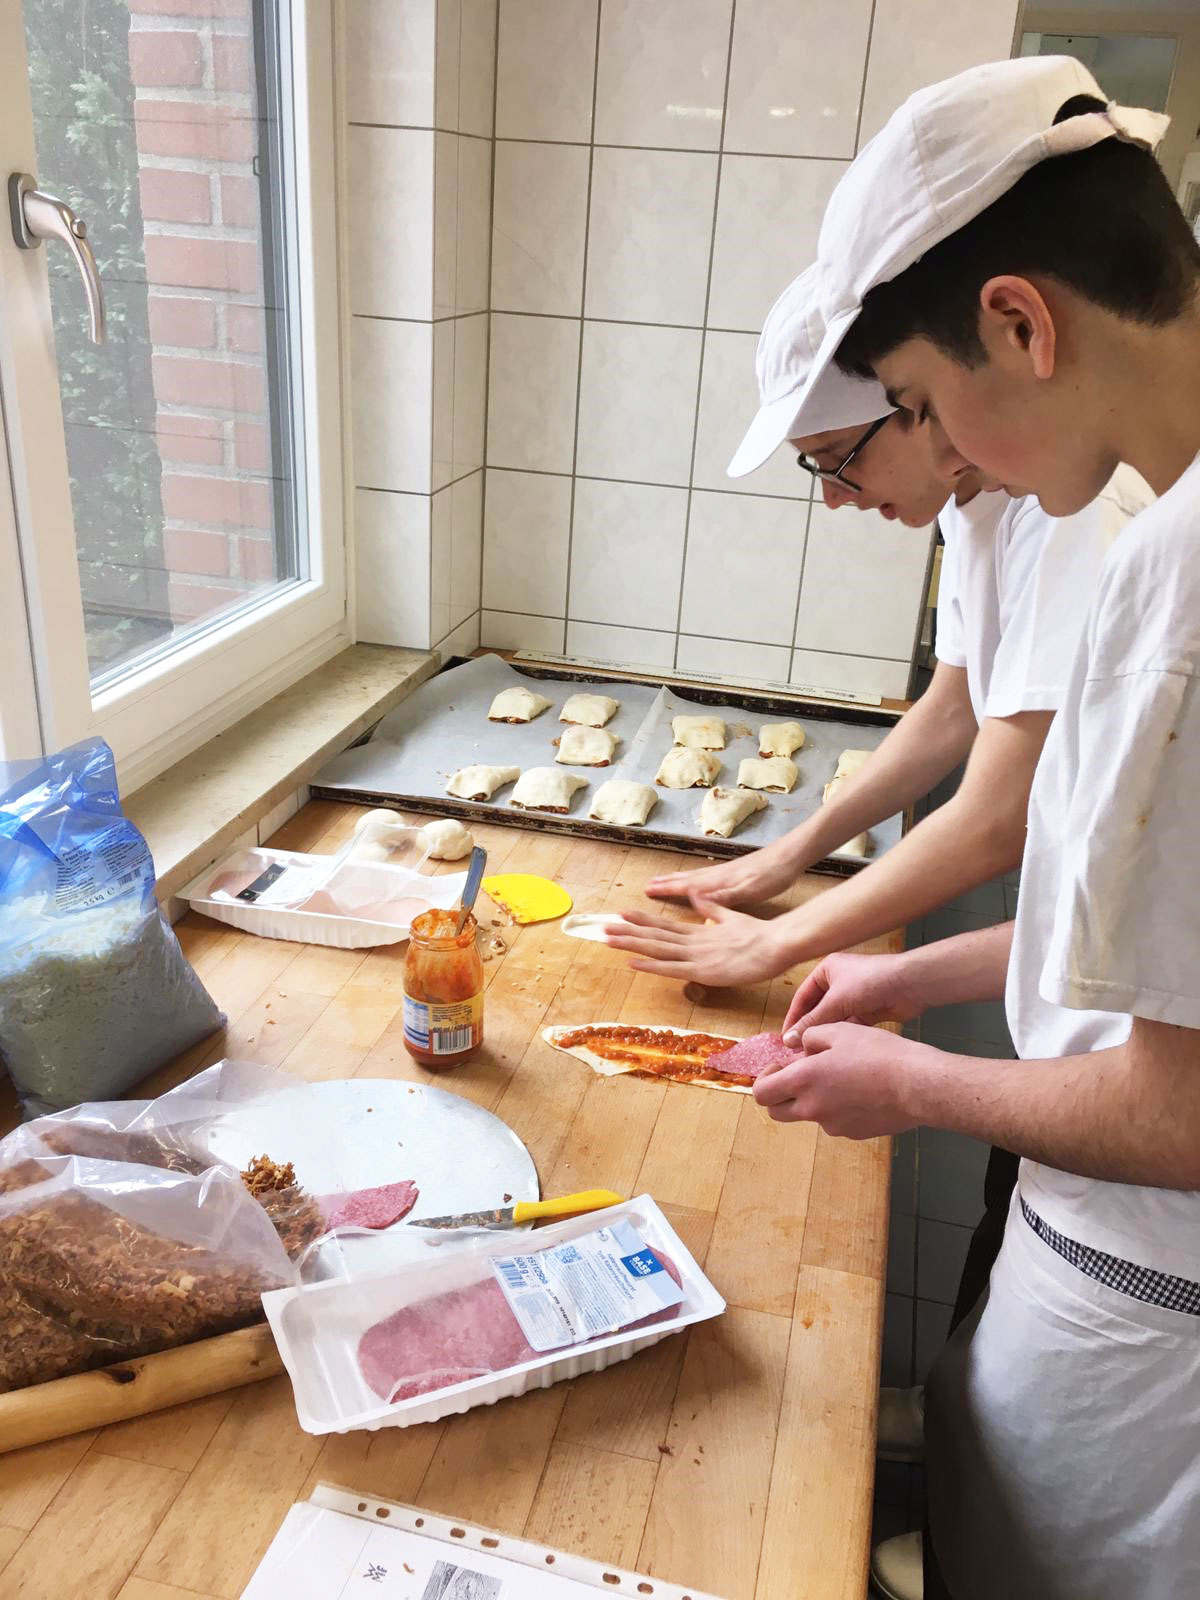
[{"x": 837, "y": 475}]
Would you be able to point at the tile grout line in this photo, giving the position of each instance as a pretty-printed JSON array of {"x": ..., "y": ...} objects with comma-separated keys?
[
  {"x": 487, "y": 365},
  {"x": 602, "y": 144},
  {"x": 800, "y": 580},
  {"x": 862, "y": 93}
]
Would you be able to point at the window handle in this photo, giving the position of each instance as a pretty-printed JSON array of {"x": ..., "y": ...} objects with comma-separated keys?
[{"x": 37, "y": 216}]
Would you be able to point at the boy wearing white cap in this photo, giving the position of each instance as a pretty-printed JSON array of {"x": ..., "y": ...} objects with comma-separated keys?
[{"x": 1042, "y": 308}]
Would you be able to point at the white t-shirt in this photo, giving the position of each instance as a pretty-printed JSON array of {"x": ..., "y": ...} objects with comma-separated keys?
[
  {"x": 1014, "y": 591},
  {"x": 1108, "y": 921}
]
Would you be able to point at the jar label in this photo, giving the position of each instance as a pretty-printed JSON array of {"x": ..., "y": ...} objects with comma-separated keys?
[{"x": 443, "y": 1030}]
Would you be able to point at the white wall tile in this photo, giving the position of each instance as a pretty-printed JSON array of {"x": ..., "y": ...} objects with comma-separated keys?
[
  {"x": 445, "y": 224},
  {"x": 768, "y": 217},
  {"x": 449, "y": 31},
  {"x": 814, "y": 669},
  {"x": 533, "y": 378},
  {"x": 470, "y": 393},
  {"x": 733, "y": 658},
  {"x": 392, "y": 386},
  {"x": 442, "y": 451},
  {"x": 627, "y": 553},
  {"x": 278, "y": 815},
  {"x": 389, "y": 61},
  {"x": 539, "y": 227},
  {"x": 918, "y": 42},
  {"x": 660, "y": 79},
  {"x": 796, "y": 74},
  {"x": 863, "y": 582},
  {"x": 742, "y": 569},
  {"x": 463, "y": 640},
  {"x": 637, "y": 402},
  {"x": 466, "y": 534},
  {"x": 527, "y": 528},
  {"x": 545, "y": 69},
  {"x": 632, "y": 647},
  {"x": 477, "y": 67},
  {"x": 441, "y": 554},
  {"x": 391, "y": 534},
  {"x": 509, "y": 630},
  {"x": 648, "y": 234},
  {"x": 474, "y": 225},
  {"x": 728, "y": 403},
  {"x": 390, "y": 204}
]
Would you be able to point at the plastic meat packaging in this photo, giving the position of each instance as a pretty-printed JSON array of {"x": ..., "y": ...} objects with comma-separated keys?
[
  {"x": 94, "y": 989},
  {"x": 347, "y": 1343},
  {"x": 121, "y": 1234}
]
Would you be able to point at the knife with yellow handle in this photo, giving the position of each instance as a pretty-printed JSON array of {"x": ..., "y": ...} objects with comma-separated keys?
[{"x": 567, "y": 1205}]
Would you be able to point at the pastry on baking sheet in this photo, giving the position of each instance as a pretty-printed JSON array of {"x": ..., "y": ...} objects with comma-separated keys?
[
  {"x": 778, "y": 773},
  {"x": 780, "y": 738},
  {"x": 724, "y": 810},
  {"x": 623, "y": 802},
  {"x": 546, "y": 789},
  {"x": 699, "y": 733},
  {"x": 687, "y": 769},
  {"x": 861, "y": 845},
  {"x": 517, "y": 705},
  {"x": 586, "y": 747},
  {"x": 591, "y": 710},
  {"x": 850, "y": 763},
  {"x": 480, "y": 783}
]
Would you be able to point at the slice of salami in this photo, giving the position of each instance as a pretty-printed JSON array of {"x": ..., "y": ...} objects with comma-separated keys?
[
  {"x": 754, "y": 1055},
  {"x": 370, "y": 1208}
]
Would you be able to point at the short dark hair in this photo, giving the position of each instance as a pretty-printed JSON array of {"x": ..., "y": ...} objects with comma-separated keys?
[{"x": 1103, "y": 221}]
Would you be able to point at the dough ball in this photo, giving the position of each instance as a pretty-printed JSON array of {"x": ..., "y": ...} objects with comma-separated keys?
[
  {"x": 382, "y": 815},
  {"x": 370, "y": 850},
  {"x": 446, "y": 839}
]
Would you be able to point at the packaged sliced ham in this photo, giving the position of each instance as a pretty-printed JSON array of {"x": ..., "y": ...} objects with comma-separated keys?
[{"x": 409, "y": 1344}]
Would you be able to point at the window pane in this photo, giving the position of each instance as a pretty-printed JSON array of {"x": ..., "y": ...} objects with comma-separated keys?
[{"x": 165, "y": 134}]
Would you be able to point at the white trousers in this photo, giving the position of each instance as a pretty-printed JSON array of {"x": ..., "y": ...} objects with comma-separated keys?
[{"x": 1063, "y": 1439}]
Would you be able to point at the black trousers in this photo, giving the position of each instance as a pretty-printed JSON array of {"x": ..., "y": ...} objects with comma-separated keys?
[{"x": 998, "y": 1185}]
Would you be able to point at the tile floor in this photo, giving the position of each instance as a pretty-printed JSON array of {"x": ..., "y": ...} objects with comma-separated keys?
[{"x": 937, "y": 1198}]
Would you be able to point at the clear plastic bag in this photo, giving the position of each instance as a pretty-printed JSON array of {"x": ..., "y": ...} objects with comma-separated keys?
[
  {"x": 94, "y": 989},
  {"x": 121, "y": 1235}
]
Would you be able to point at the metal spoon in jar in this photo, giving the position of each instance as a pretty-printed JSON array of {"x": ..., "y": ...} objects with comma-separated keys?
[{"x": 475, "y": 868}]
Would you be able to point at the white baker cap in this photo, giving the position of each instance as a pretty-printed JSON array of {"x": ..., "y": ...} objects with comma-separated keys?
[{"x": 948, "y": 153}]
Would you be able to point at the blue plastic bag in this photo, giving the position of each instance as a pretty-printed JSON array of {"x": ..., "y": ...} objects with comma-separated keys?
[{"x": 94, "y": 989}]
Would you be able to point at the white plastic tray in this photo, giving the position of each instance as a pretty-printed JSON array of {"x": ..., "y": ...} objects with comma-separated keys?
[
  {"x": 317, "y": 1328},
  {"x": 314, "y": 927}
]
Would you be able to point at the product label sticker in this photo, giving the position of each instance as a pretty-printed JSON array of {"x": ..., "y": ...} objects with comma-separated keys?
[
  {"x": 589, "y": 1287},
  {"x": 108, "y": 864},
  {"x": 443, "y": 1029}
]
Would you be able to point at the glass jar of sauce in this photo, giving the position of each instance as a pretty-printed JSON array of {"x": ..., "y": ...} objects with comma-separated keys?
[{"x": 443, "y": 990}]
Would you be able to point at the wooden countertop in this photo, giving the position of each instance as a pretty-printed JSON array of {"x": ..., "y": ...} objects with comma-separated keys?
[{"x": 737, "y": 1457}]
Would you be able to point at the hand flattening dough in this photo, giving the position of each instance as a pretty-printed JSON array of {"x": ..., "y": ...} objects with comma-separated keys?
[
  {"x": 778, "y": 773},
  {"x": 780, "y": 738},
  {"x": 480, "y": 783},
  {"x": 546, "y": 789},
  {"x": 590, "y": 710},
  {"x": 517, "y": 705},
  {"x": 687, "y": 769},
  {"x": 446, "y": 839},
  {"x": 724, "y": 810},
  {"x": 586, "y": 747},
  {"x": 699, "y": 733},
  {"x": 623, "y": 803}
]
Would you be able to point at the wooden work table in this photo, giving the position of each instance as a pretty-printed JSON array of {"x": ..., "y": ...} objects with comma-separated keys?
[{"x": 737, "y": 1457}]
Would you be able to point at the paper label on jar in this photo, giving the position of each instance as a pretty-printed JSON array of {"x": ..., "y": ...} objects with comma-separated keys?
[
  {"x": 589, "y": 1287},
  {"x": 443, "y": 1030}
]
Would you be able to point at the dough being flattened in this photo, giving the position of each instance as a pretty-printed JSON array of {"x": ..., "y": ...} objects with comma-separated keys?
[
  {"x": 623, "y": 803},
  {"x": 780, "y": 738},
  {"x": 480, "y": 783},
  {"x": 517, "y": 705},
  {"x": 590, "y": 710},
  {"x": 546, "y": 789},
  {"x": 586, "y": 747},
  {"x": 724, "y": 810},
  {"x": 687, "y": 769},
  {"x": 778, "y": 773},
  {"x": 699, "y": 733}
]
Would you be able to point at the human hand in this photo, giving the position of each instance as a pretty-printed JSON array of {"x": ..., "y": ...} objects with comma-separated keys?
[
  {"x": 850, "y": 988},
  {"x": 730, "y": 948},
  {"x": 855, "y": 1082},
  {"x": 747, "y": 880}
]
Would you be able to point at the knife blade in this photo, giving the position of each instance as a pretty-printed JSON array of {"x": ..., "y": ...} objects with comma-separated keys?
[{"x": 569, "y": 1205}]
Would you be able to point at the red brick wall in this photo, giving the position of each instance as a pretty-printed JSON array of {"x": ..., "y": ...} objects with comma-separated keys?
[{"x": 197, "y": 136}]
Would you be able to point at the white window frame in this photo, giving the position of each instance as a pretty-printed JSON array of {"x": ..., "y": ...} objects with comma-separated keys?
[{"x": 172, "y": 705}]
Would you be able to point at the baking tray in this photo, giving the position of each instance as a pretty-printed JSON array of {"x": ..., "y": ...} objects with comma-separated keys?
[{"x": 443, "y": 726}]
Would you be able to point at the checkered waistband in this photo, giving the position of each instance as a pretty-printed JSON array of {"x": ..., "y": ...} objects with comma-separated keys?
[{"x": 1140, "y": 1283}]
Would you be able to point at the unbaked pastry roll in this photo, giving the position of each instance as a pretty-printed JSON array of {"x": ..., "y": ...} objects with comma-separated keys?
[
  {"x": 517, "y": 705},
  {"x": 586, "y": 747},
  {"x": 780, "y": 738},
  {"x": 590, "y": 710},
  {"x": 480, "y": 783},
  {"x": 724, "y": 810},
  {"x": 546, "y": 789},
  {"x": 687, "y": 769},
  {"x": 778, "y": 773},
  {"x": 699, "y": 733},
  {"x": 623, "y": 803}
]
